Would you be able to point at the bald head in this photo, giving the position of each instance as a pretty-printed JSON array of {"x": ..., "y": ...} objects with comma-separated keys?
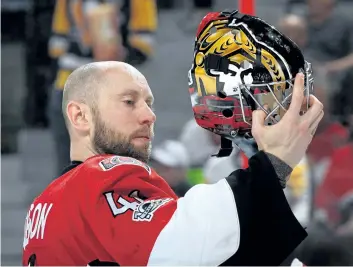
[
  {"x": 295, "y": 28},
  {"x": 108, "y": 110},
  {"x": 81, "y": 86},
  {"x": 84, "y": 84}
]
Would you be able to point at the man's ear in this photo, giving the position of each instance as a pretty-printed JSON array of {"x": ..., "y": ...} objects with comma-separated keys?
[{"x": 79, "y": 116}]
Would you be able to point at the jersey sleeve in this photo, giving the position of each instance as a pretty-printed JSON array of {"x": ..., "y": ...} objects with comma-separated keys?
[
  {"x": 270, "y": 231},
  {"x": 227, "y": 223},
  {"x": 202, "y": 228}
]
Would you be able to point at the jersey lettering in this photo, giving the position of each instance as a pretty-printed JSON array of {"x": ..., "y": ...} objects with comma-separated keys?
[
  {"x": 35, "y": 222},
  {"x": 124, "y": 206},
  {"x": 142, "y": 210}
]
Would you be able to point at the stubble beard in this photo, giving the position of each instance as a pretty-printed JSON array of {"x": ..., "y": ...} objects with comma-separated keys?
[{"x": 108, "y": 141}]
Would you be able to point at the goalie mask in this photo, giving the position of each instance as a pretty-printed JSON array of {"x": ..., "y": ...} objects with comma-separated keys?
[{"x": 240, "y": 64}]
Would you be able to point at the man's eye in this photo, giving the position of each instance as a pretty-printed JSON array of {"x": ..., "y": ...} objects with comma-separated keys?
[
  {"x": 129, "y": 102},
  {"x": 150, "y": 106}
]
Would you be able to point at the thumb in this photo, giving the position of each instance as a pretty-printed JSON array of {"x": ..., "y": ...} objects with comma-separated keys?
[{"x": 258, "y": 122}]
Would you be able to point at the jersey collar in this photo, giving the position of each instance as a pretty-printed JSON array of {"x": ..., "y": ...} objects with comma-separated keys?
[{"x": 72, "y": 165}]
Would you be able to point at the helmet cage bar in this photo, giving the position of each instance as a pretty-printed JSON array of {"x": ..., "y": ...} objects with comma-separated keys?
[{"x": 280, "y": 104}]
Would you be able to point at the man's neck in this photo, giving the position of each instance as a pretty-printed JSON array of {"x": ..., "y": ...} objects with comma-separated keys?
[{"x": 81, "y": 152}]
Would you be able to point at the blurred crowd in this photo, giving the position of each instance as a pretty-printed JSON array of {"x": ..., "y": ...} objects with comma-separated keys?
[{"x": 320, "y": 189}]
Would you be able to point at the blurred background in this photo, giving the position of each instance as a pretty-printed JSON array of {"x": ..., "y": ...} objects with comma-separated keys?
[{"x": 40, "y": 47}]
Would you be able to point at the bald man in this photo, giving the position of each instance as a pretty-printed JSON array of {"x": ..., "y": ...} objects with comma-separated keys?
[
  {"x": 111, "y": 208},
  {"x": 95, "y": 85}
]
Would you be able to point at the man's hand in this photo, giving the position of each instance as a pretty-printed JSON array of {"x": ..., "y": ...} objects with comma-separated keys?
[{"x": 290, "y": 137}]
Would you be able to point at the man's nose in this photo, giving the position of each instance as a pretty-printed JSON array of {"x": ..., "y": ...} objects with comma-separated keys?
[{"x": 147, "y": 116}]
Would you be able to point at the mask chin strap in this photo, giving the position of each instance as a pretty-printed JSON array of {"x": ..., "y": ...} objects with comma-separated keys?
[{"x": 226, "y": 148}]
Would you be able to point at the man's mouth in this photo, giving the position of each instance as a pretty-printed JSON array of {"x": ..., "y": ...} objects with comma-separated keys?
[{"x": 142, "y": 137}]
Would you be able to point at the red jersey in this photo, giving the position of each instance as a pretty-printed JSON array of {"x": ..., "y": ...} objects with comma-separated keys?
[{"x": 112, "y": 210}]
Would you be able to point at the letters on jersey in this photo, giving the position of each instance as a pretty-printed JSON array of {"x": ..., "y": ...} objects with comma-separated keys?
[
  {"x": 35, "y": 222},
  {"x": 112, "y": 162},
  {"x": 142, "y": 210}
]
